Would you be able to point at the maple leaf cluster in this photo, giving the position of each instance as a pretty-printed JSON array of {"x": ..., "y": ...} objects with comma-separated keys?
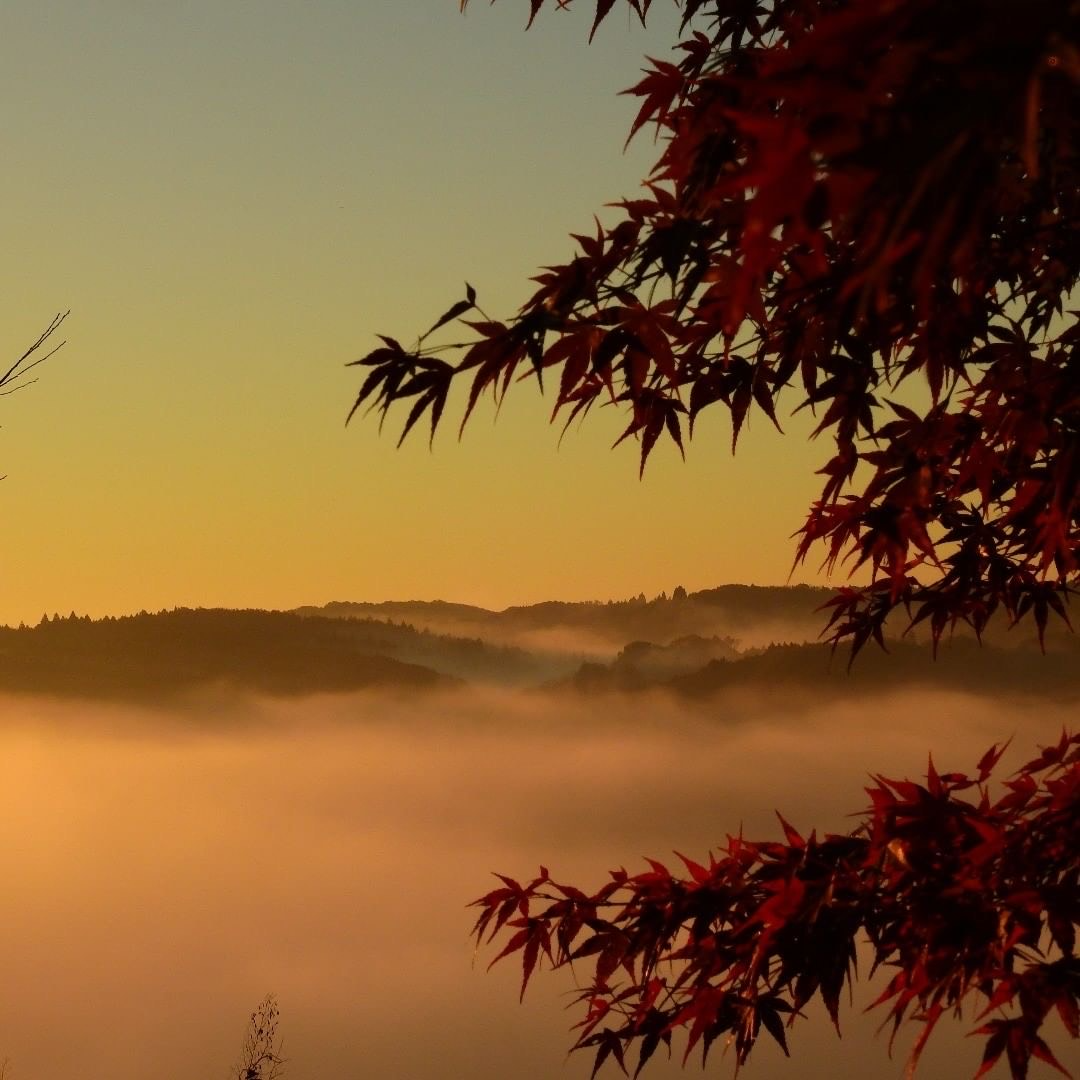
[
  {"x": 868, "y": 209},
  {"x": 973, "y": 900},
  {"x": 849, "y": 194}
]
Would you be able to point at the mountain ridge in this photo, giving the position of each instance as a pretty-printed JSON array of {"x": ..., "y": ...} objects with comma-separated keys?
[{"x": 694, "y": 646}]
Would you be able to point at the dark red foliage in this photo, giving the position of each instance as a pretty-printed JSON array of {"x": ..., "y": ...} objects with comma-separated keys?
[
  {"x": 866, "y": 209},
  {"x": 972, "y": 900}
]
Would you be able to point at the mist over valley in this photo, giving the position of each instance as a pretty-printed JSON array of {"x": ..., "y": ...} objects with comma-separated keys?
[
  {"x": 201, "y": 807},
  {"x": 690, "y": 645}
]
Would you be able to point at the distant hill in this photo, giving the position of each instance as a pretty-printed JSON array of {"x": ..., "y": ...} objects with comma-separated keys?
[
  {"x": 750, "y": 614},
  {"x": 171, "y": 652},
  {"x": 695, "y": 646},
  {"x": 814, "y": 670},
  {"x": 642, "y": 665}
]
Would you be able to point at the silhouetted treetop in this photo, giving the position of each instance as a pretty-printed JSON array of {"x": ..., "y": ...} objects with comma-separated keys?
[{"x": 868, "y": 210}]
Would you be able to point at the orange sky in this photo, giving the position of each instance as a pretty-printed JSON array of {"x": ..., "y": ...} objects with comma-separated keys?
[{"x": 232, "y": 207}]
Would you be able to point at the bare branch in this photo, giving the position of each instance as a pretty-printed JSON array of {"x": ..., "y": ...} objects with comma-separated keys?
[{"x": 260, "y": 1058}]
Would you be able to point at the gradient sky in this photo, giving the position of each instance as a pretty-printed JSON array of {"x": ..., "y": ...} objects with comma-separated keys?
[{"x": 232, "y": 198}]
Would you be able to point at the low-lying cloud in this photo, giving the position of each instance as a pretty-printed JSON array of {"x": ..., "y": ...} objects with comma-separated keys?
[{"x": 164, "y": 869}]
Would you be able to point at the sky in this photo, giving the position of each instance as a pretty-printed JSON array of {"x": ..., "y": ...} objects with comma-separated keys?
[{"x": 232, "y": 198}]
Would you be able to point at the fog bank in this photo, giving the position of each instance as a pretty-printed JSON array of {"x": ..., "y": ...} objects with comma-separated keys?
[{"x": 165, "y": 869}]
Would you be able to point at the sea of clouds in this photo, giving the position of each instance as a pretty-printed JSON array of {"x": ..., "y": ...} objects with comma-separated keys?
[{"x": 164, "y": 868}]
